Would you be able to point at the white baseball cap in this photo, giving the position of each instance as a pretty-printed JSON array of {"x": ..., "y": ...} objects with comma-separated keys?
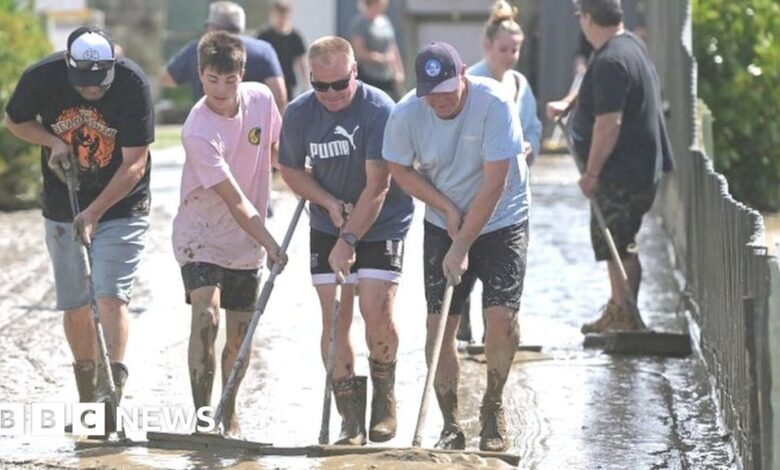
[{"x": 90, "y": 57}]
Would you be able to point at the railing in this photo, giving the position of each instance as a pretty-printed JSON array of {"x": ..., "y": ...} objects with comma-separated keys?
[{"x": 719, "y": 250}]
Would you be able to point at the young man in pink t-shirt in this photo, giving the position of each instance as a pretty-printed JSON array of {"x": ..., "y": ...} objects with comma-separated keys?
[{"x": 219, "y": 233}]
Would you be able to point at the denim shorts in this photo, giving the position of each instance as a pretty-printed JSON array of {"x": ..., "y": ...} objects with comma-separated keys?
[
  {"x": 116, "y": 251},
  {"x": 497, "y": 258}
]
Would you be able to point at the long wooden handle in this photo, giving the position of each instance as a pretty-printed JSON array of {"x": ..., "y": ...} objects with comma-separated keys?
[
  {"x": 330, "y": 362},
  {"x": 105, "y": 385},
  {"x": 246, "y": 343},
  {"x": 434, "y": 365},
  {"x": 602, "y": 223}
]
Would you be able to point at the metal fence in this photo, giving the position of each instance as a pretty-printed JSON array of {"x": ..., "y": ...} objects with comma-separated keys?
[{"x": 719, "y": 250}]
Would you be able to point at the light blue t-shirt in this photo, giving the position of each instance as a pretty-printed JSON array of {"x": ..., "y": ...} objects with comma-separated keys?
[
  {"x": 524, "y": 98},
  {"x": 338, "y": 145},
  {"x": 450, "y": 152}
]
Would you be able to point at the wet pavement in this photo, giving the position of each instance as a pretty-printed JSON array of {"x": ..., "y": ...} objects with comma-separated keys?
[{"x": 566, "y": 407}]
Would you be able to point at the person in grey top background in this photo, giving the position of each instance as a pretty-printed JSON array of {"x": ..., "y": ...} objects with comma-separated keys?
[{"x": 373, "y": 39}]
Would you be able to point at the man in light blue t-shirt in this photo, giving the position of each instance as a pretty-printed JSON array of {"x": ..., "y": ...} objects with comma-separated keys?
[
  {"x": 457, "y": 145},
  {"x": 358, "y": 224}
]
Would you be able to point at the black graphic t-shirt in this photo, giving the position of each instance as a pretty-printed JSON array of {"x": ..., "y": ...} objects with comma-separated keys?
[{"x": 95, "y": 130}]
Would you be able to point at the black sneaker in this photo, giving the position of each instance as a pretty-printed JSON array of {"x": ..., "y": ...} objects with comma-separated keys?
[{"x": 451, "y": 438}]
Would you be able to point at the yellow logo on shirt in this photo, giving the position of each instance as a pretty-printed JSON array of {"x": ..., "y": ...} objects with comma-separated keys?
[{"x": 254, "y": 136}]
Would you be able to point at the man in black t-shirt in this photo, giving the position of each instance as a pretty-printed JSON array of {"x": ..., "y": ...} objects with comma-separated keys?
[
  {"x": 288, "y": 44},
  {"x": 88, "y": 108},
  {"x": 620, "y": 134}
]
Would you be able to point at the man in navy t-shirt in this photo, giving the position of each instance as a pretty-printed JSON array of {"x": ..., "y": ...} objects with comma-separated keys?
[
  {"x": 262, "y": 64},
  {"x": 358, "y": 224}
]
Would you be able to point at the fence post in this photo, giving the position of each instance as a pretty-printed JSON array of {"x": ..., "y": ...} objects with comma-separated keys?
[{"x": 754, "y": 437}]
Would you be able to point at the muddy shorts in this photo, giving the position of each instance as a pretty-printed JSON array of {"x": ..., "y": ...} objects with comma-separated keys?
[
  {"x": 497, "y": 258},
  {"x": 381, "y": 260},
  {"x": 116, "y": 251},
  {"x": 238, "y": 288},
  {"x": 623, "y": 209}
]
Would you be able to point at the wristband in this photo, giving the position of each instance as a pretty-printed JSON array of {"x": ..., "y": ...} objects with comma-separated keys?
[{"x": 349, "y": 238}]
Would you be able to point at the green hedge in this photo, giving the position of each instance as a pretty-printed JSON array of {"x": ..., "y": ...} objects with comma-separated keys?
[
  {"x": 22, "y": 42},
  {"x": 737, "y": 48}
]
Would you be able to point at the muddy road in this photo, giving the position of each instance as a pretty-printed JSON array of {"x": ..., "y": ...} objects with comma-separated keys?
[{"x": 567, "y": 407}]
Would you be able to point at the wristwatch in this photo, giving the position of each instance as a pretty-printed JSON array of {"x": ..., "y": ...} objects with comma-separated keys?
[{"x": 349, "y": 238}]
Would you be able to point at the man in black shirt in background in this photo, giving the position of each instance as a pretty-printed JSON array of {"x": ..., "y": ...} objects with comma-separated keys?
[
  {"x": 288, "y": 44},
  {"x": 620, "y": 133}
]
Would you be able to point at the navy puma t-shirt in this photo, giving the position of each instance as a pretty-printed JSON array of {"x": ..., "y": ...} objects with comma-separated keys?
[{"x": 338, "y": 145}]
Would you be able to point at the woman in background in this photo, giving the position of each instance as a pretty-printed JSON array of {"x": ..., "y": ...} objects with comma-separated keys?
[
  {"x": 373, "y": 39},
  {"x": 501, "y": 51}
]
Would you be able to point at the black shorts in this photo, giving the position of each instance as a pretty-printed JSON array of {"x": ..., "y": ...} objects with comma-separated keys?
[
  {"x": 498, "y": 259},
  {"x": 623, "y": 209},
  {"x": 381, "y": 260},
  {"x": 238, "y": 288}
]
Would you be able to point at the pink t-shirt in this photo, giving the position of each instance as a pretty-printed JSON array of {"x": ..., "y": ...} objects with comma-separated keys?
[{"x": 218, "y": 148}]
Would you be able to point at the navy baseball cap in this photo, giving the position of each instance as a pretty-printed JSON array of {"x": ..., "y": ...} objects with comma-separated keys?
[
  {"x": 437, "y": 68},
  {"x": 91, "y": 57}
]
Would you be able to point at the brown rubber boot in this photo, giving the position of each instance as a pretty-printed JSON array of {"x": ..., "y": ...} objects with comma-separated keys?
[
  {"x": 602, "y": 324},
  {"x": 452, "y": 436},
  {"x": 85, "y": 383},
  {"x": 383, "y": 422},
  {"x": 493, "y": 437},
  {"x": 119, "y": 373},
  {"x": 350, "y": 396}
]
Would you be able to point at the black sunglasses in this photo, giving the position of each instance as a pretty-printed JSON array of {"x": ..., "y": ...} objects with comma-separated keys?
[
  {"x": 338, "y": 85},
  {"x": 93, "y": 65}
]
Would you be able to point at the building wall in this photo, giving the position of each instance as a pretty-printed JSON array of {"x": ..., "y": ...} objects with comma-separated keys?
[
  {"x": 315, "y": 18},
  {"x": 138, "y": 26}
]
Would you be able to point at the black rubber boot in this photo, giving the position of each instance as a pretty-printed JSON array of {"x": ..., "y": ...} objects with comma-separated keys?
[
  {"x": 383, "y": 420},
  {"x": 351, "y": 402},
  {"x": 85, "y": 383}
]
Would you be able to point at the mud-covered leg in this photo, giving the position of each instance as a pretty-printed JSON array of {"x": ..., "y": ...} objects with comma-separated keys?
[
  {"x": 237, "y": 324},
  {"x": 502, "y": 336},
  {"x": 446, "y": 382},
  {"x": 203, "y": 333}
]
